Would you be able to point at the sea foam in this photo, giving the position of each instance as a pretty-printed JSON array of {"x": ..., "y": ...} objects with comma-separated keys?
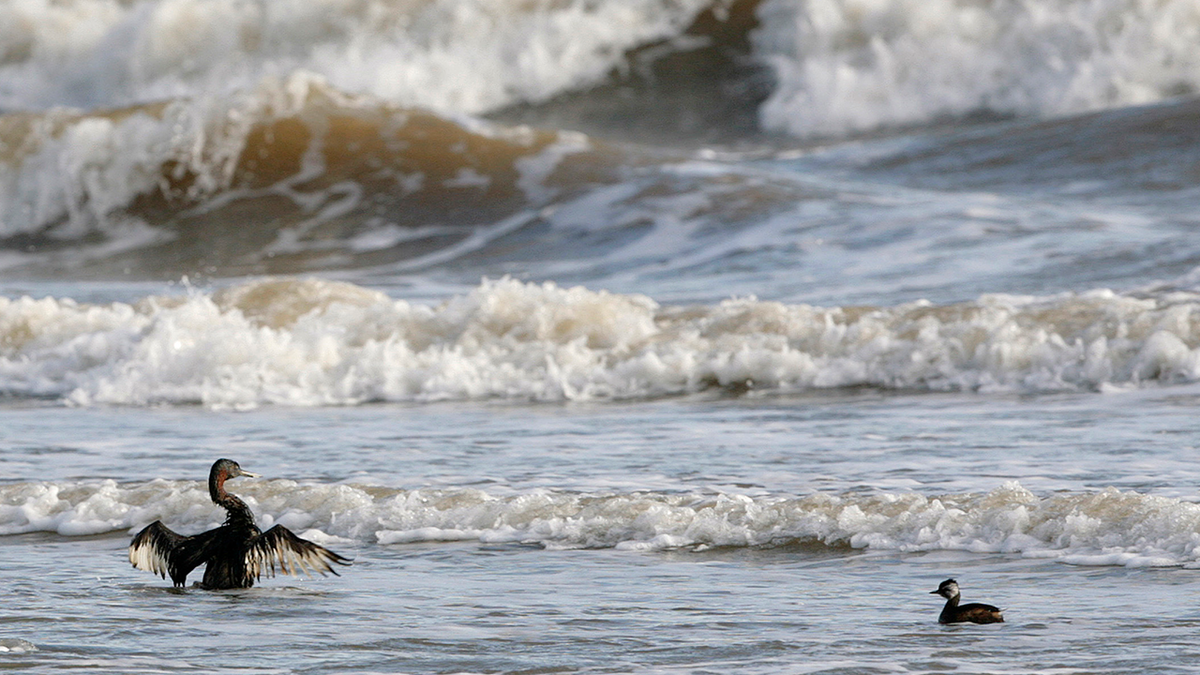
[
  {"x": 841, "y": 66},
  {"x": 849, "y": 65},
  {"x": 288, "y": 341},
  {"x": 453, "y": 56},
  {"x": 1107, "y": 527}
]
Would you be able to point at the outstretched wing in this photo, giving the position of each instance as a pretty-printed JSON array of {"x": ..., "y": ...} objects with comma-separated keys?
[
  {"x": 151, "y": 549},
  {"x": 159, "y": 550},
  {"x": 280, "y": 549}
]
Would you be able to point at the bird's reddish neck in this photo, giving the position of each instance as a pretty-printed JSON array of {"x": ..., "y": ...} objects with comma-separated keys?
[
  {"x": 216, "y": 486},
  {"x": 237, "y": 512}
]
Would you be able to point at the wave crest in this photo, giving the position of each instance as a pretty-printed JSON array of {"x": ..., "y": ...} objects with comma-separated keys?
[
  {"x": 1108, "y": 527},
  {"x": 314, "y": 342},
  {"x": 291, "y": 170},
  {"x": 848, "y": 66},
  {"x": 446, "y": 55}
]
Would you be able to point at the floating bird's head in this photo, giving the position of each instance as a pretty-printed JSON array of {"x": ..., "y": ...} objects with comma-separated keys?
[
  {"x": 947, "y": 589},
  {"x": 227, "y": 468}
]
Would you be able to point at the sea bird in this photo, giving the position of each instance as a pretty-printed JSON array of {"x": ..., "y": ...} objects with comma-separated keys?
[
  {"x": 234, "y": 554},
  {"x": 975, "y": 612}
]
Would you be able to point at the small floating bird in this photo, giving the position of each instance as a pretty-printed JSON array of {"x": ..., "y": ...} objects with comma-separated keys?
[
  {"x": 975, "y": 612},
  {"x": 234, "y": 554}
]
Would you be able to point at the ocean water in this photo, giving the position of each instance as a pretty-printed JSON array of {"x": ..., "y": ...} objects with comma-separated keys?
[{"x": 654, "y": 336}]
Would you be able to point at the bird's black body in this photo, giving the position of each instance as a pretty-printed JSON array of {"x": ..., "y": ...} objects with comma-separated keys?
[
  {"x": 234, "y": 554},
  {"x": 975, "y": 612}
]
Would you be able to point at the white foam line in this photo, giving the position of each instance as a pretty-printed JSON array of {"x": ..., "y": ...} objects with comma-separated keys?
[{"x": 478, "y": 240}]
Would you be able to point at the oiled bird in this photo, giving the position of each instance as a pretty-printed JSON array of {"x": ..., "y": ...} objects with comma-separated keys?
[
  {"x": 237, "y": 553},
  {"x": 975, "y": 612}
]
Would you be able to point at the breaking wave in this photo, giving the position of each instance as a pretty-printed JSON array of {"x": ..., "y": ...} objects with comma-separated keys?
[
  {"x": 289, "y": 341},
  {"x": 1109, "y": 527},
  {"x": 846, "y": 65},
  {"x": 273, "y": 172},
  {"x": 839, "y": 66},
  {"x": 453, "y": 56}
]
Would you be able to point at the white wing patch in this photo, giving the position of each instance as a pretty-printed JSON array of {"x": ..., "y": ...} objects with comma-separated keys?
[
  {"x": 279, "y": 550},
  {"x": 148, "y": 558},
  {"x": 151, "y": 549}
]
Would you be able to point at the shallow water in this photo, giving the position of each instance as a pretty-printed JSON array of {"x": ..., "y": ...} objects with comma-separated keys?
[
  {"x": 473, "y": 608},
  {"x": 696, "y": 336},
  {"x": 493, "y": 603}
]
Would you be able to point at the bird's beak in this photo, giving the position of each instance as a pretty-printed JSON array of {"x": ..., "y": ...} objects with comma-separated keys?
[
  {"x": 933, "y": 592},
  {"x": 247, "y": 474}
]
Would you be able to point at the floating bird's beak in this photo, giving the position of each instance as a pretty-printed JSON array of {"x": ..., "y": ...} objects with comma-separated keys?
[
  {"x": 934, "y": 592},
  {"x": 247, "y": 474}
]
